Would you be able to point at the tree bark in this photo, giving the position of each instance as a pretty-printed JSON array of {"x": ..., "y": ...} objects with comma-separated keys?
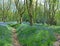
[
  {"x": 29, "y": 8},
  {"x": 20, "y": 10},
  {"x": 3, "y": 18}
]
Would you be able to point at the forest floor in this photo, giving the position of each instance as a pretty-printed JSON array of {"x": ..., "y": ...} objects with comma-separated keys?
[
  {"x": 15, "y": 40},
  {"x": 57, "y": 42}
]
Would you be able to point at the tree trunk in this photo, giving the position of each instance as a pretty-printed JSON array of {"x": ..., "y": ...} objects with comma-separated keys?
[
  {"x": 29, "y": 8},
  {"x": 31, "y": 19},
  {"x": 20, "y": 10},
  {"x": 20, "y": 19},
  {"x": 3, "y": 18}
]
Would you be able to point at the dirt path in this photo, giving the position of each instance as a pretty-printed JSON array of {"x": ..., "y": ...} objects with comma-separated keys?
[
  {"x": 57, "y": 43},
  {"x": 14, "y": 38}
]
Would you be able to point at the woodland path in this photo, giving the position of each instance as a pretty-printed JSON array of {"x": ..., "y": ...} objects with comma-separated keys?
[
  {"x": 57, "y": 43},
  {"x": 15, "y": 40}
]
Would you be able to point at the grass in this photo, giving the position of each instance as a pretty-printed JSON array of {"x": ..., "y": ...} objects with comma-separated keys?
[
  {"x": 36, "y": 35},
  {"x": 5, "y": 36},
  {"x": 56, "y": 29}
]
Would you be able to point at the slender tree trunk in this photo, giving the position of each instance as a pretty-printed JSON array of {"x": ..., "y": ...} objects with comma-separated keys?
[
  {"x": 29, "y": 8},
  {"x": 31, "y": 19},
  {"x": 20, "y": 10},
  {"x": 49, "y": 15},
  {"x": 3, "y": 18},
  {"x": 52, "y": 12},
  {"x": 44, "y": 11},
  {"x": 20, "y": 19}
]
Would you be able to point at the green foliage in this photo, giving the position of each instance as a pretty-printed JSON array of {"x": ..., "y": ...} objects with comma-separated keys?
[
  {"x": 5, "y": 36},
  {"x": 57, "y": 17},
  {"x": 16, "y": 26},
  {"x": 56, "y": 29},
  {"x": 37, "y": 35}
]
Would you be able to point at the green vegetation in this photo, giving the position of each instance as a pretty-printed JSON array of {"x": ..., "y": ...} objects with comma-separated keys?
[
  {"x": 36, "y": 35},
  {"x": 56, "y": 29},
  {"x": 35, "y": 22},
  {"x": 5, "y": 36}
]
